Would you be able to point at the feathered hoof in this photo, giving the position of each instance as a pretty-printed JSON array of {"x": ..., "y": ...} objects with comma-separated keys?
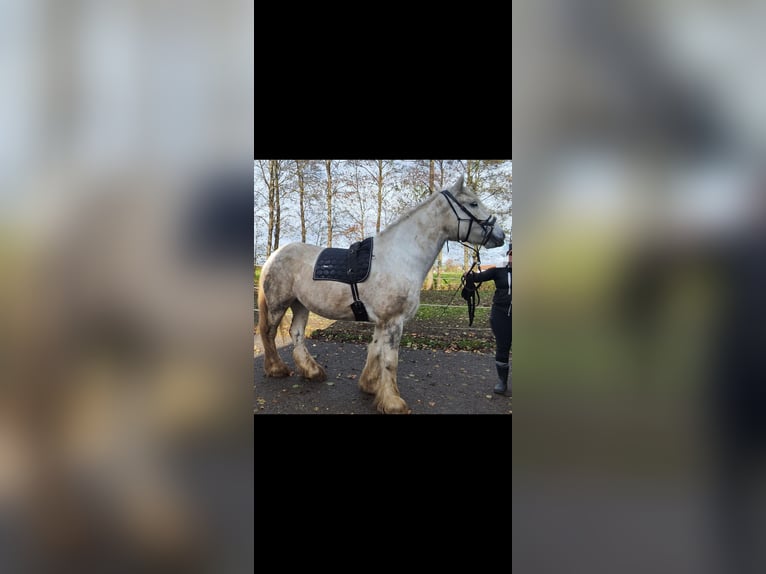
[
  {"x": 368, "y": 386},
  {"x": 394, "y": 406}
]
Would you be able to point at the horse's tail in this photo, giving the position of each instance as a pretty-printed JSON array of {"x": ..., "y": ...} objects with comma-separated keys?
[{"x": 263, "y": 309}]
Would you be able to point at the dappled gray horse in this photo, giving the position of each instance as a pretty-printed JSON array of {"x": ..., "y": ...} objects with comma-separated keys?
[{"x": 388, "y": 294}]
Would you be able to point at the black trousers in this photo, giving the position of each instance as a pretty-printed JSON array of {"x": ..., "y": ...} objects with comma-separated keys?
[{"x": 500, "y": 321}]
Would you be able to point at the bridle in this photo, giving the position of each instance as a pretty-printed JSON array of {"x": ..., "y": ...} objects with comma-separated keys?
[
  {"x": 470, "y": 292},
  {"x": 487, "y": 225}
]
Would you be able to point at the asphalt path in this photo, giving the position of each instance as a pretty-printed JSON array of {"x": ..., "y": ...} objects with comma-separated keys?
[{"x": 430, "y": 381}]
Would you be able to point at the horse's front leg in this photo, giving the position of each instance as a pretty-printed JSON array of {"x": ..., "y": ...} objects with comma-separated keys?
[{"x": 382, "y": 364}]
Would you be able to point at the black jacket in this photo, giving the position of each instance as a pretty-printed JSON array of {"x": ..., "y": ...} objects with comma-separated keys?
[{"x": 503, "y": 278}]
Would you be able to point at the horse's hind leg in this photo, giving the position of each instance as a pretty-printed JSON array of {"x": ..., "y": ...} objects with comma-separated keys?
[
  {"x": 370, "y": 377},
  {"x": 306, "y": 364},
  {"x": 269, "y": 318}
]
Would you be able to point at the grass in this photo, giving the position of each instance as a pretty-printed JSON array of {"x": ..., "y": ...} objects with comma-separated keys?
[
  {"x": 451, "y": 314},
  {"x": 449, "y": 279},
  {"x": 442, "y": 328},
  {"x": 473, "y": 341}
]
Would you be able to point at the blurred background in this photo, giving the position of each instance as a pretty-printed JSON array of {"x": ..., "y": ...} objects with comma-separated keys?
[
  {"x": 126, "y": 155},
  {"x": 639, "y": 141}
]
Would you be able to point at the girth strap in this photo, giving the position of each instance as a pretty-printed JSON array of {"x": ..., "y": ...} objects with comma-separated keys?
[{"x": 360, "y": 311}]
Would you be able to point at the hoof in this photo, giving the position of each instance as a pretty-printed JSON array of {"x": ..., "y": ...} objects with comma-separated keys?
[
  {"x": 367, "y": 386},
  {"x": 278, "y": 372},
  {"x": 395, "y": 406},
  {"x": 317, "y": 376}
]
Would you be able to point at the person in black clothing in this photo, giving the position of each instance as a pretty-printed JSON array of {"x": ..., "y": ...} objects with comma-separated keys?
[{"x": 500, "y": 317}]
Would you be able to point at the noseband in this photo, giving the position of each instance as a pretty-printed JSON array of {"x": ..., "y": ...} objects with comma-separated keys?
[{"x": 487, "y": 225}]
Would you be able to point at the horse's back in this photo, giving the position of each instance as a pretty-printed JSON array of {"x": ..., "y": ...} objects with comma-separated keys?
[
  {"x": 295, "y": 253},
  {"x": 289, "y": 274},
  {"x": 293, "y": 261}
]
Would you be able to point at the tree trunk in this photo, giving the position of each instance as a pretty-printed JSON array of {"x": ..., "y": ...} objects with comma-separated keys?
[
  {"x": 278, "y": 215},
  {"x": 362, "y": 212},
  {"x": 431, "y": 178},
  {"x": 471, "y": 171},
  {"x": 328, "y": 167},
  {"x": 270, "y": 231},
  {"x": 432, "y": 189},
  {"x": 440, "y": 259},
  {"x": 301, "y": 197},
  {"x": 380, "y": 195}
]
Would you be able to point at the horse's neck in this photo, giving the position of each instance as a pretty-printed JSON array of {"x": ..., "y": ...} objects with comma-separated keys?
[{"x": 416, "y": 239}]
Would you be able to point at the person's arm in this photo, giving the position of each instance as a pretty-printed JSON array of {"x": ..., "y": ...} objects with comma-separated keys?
[{"x": 480, "y": 277}]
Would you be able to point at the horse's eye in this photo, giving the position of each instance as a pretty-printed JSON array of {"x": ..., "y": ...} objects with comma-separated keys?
[{"x": 474, "y": 204}]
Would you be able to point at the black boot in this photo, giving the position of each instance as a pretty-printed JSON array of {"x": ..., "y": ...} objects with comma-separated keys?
[{"x": 502, "y": 374}]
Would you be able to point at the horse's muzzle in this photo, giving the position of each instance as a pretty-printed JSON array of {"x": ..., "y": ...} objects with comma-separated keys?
[{"x": 496, "y": 238}]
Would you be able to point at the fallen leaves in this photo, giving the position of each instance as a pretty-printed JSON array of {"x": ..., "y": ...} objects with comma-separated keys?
[{"x": 424, "y": 333}]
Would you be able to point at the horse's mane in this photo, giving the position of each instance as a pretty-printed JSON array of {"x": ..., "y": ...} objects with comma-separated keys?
[{"x": 408, "y": 214}]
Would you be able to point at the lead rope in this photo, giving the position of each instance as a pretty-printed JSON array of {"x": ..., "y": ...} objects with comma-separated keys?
[{"x": 469, "y": 289}]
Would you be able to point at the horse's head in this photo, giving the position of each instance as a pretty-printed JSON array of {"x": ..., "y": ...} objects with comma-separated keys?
[{"x": 473, "y": 222}]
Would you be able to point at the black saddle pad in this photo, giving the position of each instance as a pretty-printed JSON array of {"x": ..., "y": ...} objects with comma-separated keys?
[{"x": 350, "y": 265}]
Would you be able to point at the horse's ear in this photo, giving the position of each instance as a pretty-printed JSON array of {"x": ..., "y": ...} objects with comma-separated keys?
[{"x": 458, "y": 187}]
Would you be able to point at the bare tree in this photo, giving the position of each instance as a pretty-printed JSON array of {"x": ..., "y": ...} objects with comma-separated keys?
[
  {"x": 415, "y": 177},
  {"x": 300, "y": 166},
  {"x": 380, "y": 171},
  {"x": 471, "y": 168},
  {"x": 314, "y": 175},
  {"x": 357, "y": 198},
  {"x": 275, "y": 209},
  {"x": 328, "y": 167},
  {"x": 431, "y": 175},
  {"x": 269, "y": 176},
  {"x": 259, "y": 200},
  {"x": 274, "y": 186},
  {"x": 380, "y": 164},
  {"x": 433, "y": 188},
  {"x": 317, "y": 200},
  {"x": 439, "y": 172}
]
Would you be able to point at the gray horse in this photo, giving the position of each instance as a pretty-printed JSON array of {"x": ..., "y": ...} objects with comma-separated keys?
[{"x": 391, "y": 297}]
